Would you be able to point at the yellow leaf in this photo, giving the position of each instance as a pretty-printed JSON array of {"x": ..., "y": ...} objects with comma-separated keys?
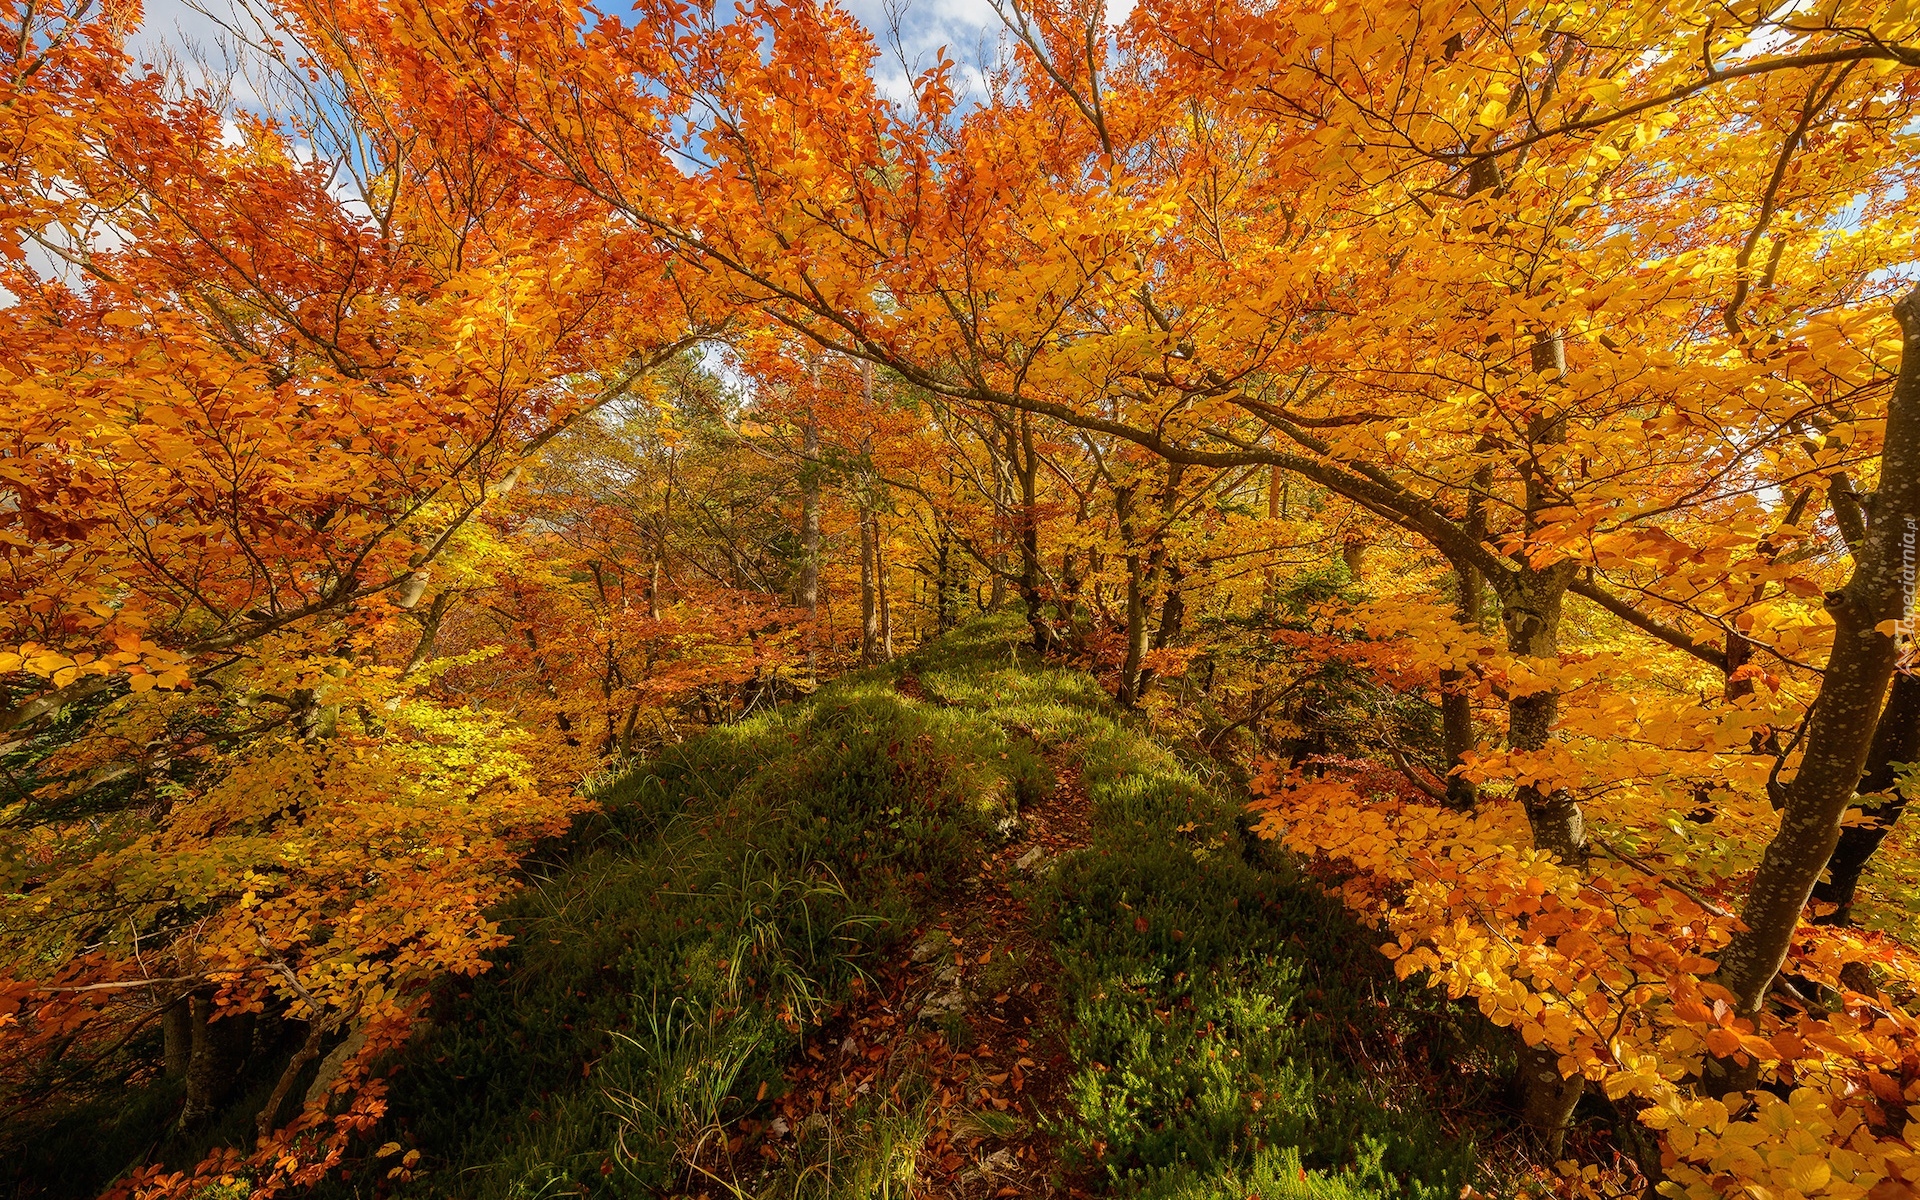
[{"x": 1810, "y": 1173}]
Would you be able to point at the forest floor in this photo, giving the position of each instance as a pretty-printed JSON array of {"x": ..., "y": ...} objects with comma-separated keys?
[
  {"x": 954, "y": 927},
  {"x": 968, "y": 1013}
]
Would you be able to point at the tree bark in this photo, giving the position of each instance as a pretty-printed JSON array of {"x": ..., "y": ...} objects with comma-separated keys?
[
  {"x": 880, "y": 585},
  {"x": 1026, "y": 469},
  {"x": 1136, "y": 631},
  {"x": 429, "y": 632},
  {"x": 1530, "y": 606},
  {"x": 946, "y": 587},
  {"x": 1846, "y": 710},
  {"x": 1547, "y": 1099},
  {"x": 176, "y": 1036},
  {"x": 269, "y": 1116},
  {"x": 218, "y": 1047},
  {"x": 1896, "y": 741},
  {"x": 869, "y": 602},
  {"x": 1173, "y": 618},
  {"x": 1530, "y": 609},
  {"x": 1456, "y": 735},
  {"x": 1456, "y": 697},
  {"x": 806, "y": 589},
  {"x": 1270, "y": 592}
]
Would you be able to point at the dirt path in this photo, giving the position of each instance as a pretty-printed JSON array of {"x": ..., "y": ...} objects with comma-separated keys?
[{"x": 959, "y": 1036}]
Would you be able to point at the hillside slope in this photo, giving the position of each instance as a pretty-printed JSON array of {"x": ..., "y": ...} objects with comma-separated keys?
[{"x": 954, "y": 927}]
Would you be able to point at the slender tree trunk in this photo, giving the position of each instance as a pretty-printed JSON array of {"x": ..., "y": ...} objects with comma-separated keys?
[
  {"x": 1846, "y": 710},
  {"x": 1270, "y": 590},
  {"x": 806, "y": 590},
  {"x": 1136, "y": 631},
  {"x": 1354, "y": 555},
  {"x": 880, "y": 585},
  {"x": 1129, "y": 693},
  {"x": 1456, "y": 699},
  {"x": 1531, "y": 602},
  {"x": 869, "y": 605},
  {"x": 1025, "y": 470},
  {"x": 946, "y": 588},
  {"x": 269, "y": 1115},
  {"x": 1173, "y": 618},
  {"x": 429, "y": 632},
  {"x": 1456, "y": 696}
]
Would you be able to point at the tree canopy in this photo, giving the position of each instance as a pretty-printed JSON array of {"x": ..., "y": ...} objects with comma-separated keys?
[{"x": 1489, "y": 432}]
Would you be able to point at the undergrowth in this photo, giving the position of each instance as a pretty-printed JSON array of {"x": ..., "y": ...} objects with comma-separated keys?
[
  {"x": 1222, "y": 1017},
  {"x": 664, "y": 967},
  {"x": 1221, "y": 1012}
]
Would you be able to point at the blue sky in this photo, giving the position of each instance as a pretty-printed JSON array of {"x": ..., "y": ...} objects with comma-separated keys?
[{"x": 968, "y": 28}]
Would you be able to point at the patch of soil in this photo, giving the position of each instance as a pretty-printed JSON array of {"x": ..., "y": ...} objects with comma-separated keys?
[{"x": 968, "y": 1011}]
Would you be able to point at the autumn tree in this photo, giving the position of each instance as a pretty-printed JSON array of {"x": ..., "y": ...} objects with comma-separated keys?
[{"x": 256, "y": 404}]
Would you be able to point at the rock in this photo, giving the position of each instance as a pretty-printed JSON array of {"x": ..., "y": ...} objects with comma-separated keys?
[
  {"x": 931, "y": 946},
  {"x": 1031, "y": 859},
  {"x": 993, "y": 1164},
  {"x": 941, "y": 1004},
  {"x": 332, "y": 1065}
]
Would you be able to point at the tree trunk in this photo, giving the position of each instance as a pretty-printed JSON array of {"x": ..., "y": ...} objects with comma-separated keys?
[
  {"x": 1896, "y": 741},
  {"x": 1531, "y": 612},
  {"x": 1547, "y": 1099},
  {"x": 869, "y": 605},
  {"x": 218, "y": 1047},
  {"x": 269, "y": 1115},
  {"x": 429, "y": 632},
  {"x": 946, "y": 587},
  {"x": 1025, "y": 469},
  {"x": 626, "y": 734},
  {"x": 1530, "y": 607},
  {"x": 1354, "y": 555},
  {"x": 176, "y": 1036},
  {"x": 880, "y": 585},
  {"x": 1136, "y": 632},
  {"x": 1456, "y": 697},
  {"x": 806, "y": 589},
  {"x": 1270, "y": 591},
  {"x": 1173, "y": 618},
  {"x": 1846, "y": 710}
]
